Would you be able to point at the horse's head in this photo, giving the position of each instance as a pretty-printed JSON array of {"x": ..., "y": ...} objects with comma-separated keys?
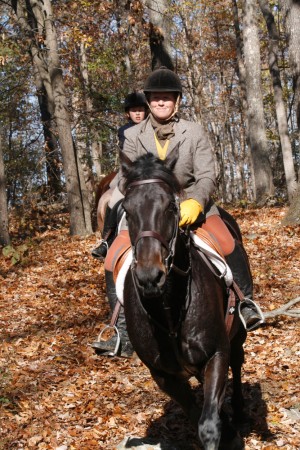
[{"x": 152, "y": 211}]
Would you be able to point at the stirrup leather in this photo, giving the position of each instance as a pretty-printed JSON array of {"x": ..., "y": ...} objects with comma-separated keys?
[{"x": 256, "y": 308}]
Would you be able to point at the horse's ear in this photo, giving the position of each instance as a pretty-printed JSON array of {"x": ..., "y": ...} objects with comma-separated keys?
[
  {"x": 171, "y": 159},
  {"x": 126, "y": 163}
]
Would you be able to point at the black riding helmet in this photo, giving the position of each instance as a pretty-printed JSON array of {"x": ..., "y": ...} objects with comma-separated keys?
[
  {"x": 135, "y": 99},
  {"x": 163, "y": 80}
]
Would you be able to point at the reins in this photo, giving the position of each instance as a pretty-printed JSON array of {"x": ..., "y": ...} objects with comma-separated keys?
[
  {"x": 170, "y": 328},
  {"x": 169, "y": 261}
]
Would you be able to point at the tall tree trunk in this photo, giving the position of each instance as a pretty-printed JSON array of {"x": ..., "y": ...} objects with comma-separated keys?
[
  {"x": 286, "y": 147},
  {"x": 292, "y": 216},
  {"x": 37, "y": 21},
  {"x": 241, "y": 71},
  {"x": 51, "y": 148},
  {"x": 291, "y": 10},
  {"x": 81, "y": 143},
  {"x": 34, "y": 26},
  {"x": 262, "y": 173},
  {"x": 160, "y": 33},
  {"x": 80, "y": 213},
  {"x": 96, "y": 145},
  {"x": 4, "y": 233}
]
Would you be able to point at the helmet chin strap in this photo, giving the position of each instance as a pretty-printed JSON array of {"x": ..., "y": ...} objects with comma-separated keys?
[{"x": 176, "y": 108}]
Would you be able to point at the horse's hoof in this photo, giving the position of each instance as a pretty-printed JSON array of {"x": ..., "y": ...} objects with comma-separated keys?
[
  {"x": 236, "y": 443},
  {"x": 241, "y": 420}
]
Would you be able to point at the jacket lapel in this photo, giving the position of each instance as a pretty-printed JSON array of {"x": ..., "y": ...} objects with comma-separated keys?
[
  {"x": 146, "y": 137},
  {"x": 180, "y": 135}
]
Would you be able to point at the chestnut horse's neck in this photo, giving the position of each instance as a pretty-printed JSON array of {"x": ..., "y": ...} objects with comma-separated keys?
[{"x": 103, "y": 186}]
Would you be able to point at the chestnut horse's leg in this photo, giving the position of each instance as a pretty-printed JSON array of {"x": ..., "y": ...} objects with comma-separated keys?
[
  {"x": 101, "y": 208},
  {"x": 215, "y": 378},
  {"x": 179, "y": 390}
]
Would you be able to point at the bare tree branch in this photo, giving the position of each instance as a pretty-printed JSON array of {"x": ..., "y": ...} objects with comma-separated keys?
[{"x": 283, "y": 310}]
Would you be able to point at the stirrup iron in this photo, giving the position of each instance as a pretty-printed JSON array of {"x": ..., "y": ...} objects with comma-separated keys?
[
  {"x": 97, "y": 343},
  {"x": 256, "y": 309}
]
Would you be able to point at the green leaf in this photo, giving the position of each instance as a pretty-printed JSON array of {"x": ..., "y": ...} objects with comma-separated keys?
[
  {"x": 22, "y": 248},
  {"x": 8, "y": 251},
  {"x": 15, "y": 258}
]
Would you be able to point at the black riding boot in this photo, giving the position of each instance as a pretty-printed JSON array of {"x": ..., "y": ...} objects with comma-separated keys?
[
  {"x": 109, "y": 233},
  {"x": 111, "y": 347},
  {"x": 250, "y": 313}
]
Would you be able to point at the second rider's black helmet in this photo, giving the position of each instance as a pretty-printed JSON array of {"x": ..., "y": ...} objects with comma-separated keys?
[
  {"x": 135, "y": 99},
  {"x": 163, "y": 80}
]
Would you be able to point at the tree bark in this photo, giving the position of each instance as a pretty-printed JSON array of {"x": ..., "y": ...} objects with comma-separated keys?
[
  {"x": 96, "y": 145},
  {"x": 4, "y": 233},
  {"x": 247, "y": 190},
  {"x": 241, "y": 71},
  {"x": 262, "y": 174},
  {"x": 292, "y": 216},
  {"x": 34, "y": 26},
  {"x": 286, "y": 147},
  {"x": 291, "y": 10},
  {"x": 44, "y": 52},
  {"x": 160, "y": 33},
  {"x": 51, "y": 147}
]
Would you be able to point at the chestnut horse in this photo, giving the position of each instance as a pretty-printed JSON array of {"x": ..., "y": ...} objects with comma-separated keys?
[
  {"x": 103, "y": 193},
  {"x": 175, "y": 304}
]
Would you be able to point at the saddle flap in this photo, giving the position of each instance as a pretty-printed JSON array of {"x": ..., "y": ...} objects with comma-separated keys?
[
  {"x": 209, "y": 240},
  {"x": 212, "y": 251},
  {"x": 118, "y": 253}
]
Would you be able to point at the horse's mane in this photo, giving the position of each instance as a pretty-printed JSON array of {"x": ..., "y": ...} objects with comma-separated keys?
[{"x": 149, "y": 166}]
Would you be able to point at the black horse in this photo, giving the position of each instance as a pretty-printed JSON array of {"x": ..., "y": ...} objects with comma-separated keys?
[{"x": 174, "y": 304}]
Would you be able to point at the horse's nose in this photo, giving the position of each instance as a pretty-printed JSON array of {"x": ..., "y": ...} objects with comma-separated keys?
[{"x": 151, "y": 280}]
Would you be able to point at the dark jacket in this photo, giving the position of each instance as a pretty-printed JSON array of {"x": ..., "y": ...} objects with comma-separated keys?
[{"x": 121, "y": 132}]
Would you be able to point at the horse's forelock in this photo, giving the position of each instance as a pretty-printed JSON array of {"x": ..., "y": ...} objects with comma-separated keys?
[{"x": 147, "y": 167}]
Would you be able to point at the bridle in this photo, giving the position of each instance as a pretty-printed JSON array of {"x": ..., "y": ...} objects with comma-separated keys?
[
  {"x": 169, "y": 246},
  {"x": 171, "y": 330}
]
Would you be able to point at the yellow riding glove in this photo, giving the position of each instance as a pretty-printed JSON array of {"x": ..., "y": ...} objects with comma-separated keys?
[{"x": 189, "y": 211}]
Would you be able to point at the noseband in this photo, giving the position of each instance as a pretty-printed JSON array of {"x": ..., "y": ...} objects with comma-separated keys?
[{"x": 169, "y": 246}]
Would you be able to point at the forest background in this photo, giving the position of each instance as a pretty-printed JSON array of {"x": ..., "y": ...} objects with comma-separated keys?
[{"x": 66, "y": 67}]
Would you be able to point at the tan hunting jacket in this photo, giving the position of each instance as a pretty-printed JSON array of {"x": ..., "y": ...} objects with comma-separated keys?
[{"x": 195, "y": 167}]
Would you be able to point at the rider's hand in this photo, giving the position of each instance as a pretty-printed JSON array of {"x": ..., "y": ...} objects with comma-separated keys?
[{"x": 189, "y": 211}]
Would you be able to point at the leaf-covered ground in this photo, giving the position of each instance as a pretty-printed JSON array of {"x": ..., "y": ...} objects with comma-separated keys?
[{"x": 56, "y": 394}]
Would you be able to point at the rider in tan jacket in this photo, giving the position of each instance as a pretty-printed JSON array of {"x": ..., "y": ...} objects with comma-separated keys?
[
  {"x": 195, "y": 169},
  {"x": 159, "y": 134}
]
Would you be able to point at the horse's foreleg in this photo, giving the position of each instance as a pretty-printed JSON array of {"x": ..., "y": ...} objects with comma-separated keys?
[
  {"x": 236, "y": 362},
  {"x": 215, "y": 377},
  {"x": 180, "y": 391}
]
